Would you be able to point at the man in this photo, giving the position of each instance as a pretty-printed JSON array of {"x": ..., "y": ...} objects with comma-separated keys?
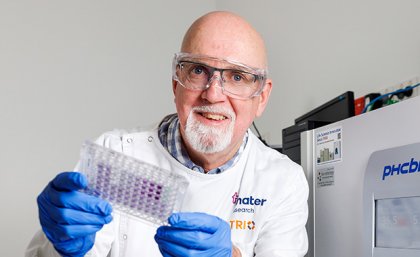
[{"x": 243, "y": 199}]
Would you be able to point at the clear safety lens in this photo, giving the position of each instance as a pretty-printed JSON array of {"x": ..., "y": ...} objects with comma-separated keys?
[{"x": 237, "y": 80}]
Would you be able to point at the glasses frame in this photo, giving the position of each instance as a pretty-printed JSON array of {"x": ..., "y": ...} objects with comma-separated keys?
[{"x": 259, "y": 74}]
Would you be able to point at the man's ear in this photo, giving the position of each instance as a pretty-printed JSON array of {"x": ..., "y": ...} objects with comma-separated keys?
[
  {"x": 174, "y": 85},
  {"x": 263, "y": 98}
]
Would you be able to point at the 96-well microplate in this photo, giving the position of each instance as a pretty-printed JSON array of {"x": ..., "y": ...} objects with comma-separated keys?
[{"x": 130, "y": 185}]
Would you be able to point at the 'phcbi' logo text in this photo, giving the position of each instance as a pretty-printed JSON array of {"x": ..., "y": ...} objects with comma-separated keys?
[
  {"x": 247, "y": 200},
  {"x": 401, "y": 168}
]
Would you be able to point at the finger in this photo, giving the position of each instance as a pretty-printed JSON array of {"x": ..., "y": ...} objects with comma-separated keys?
[
  {"x": 62, "y": 232},
  {"x": 75, "y": 247},
  {"x": 193, "y": 239},
  {"x": 73, "y": 217},
  {"x": 50, "y": 227},
  {"x": 195, "y": 221},
  {"x": 76, "y": 231},
  {"x": 164, "y": 253},
  {"x": 78, "y": 201},
  {"x": 175, "y": 250},
  {"x": 69, "y": 181}
]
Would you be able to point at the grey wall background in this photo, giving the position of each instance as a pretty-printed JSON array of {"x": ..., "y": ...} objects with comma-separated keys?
[{"x": 70, "y": 70}]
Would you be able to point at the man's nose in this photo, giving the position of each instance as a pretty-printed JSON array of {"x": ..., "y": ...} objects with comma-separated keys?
[{"x": 214, "y": 91}]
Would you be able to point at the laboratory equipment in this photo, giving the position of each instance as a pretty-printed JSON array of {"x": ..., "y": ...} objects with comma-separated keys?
[
  {"x": 335, "y": 158},
  {"x": 338, "y": 108},
  {"x": 391, "y": 201},
  {"x": 291, "y": 137},
  {"x": 130, "y": 185}
]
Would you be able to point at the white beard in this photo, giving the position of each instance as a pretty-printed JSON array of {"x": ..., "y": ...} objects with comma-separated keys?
[{"x": 207, "y": 139}]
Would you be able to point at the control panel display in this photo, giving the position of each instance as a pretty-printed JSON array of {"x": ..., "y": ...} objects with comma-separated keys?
[{"x": 397, "y": 223}]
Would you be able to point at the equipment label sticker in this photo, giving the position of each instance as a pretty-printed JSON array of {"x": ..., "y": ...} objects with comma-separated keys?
[
  {"x": 328, "y": 145},
  {"x": 325, "y": 177}
]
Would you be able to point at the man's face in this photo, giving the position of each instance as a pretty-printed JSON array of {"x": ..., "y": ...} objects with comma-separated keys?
[
  {"x": 212, "y": 121},
  {"x": 209, "y": 119}
]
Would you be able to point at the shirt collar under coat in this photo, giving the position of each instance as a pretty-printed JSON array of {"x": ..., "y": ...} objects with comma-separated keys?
[{"x": 170, "y": 137}]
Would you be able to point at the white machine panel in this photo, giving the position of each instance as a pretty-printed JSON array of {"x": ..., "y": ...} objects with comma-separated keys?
[
  {"x": 335, "y": 158},
  {"x": 392, "y": 203}
]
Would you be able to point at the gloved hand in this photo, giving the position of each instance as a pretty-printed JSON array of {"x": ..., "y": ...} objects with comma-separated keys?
[
  {"x": 194, "y": 234},
  {"x": 69, "y": 218}
]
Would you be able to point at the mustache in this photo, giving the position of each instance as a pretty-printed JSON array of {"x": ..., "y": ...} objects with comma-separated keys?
[{"x": 215, "y": 109}]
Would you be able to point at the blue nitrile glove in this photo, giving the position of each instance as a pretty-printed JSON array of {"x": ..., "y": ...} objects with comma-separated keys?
[
  {"x": 69, "y": 218},
  {"x": 194, "y": 234}
]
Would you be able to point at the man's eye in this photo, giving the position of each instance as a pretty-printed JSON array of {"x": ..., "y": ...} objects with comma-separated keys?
[
  {"x": 237, "y": 77},
  {"x": 198, "y": 70}
]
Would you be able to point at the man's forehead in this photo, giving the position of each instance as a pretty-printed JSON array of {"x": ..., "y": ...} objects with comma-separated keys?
[
  {"x": 216, "y": 62},
  {"x": 233, "y": 50},
  {"x": 226, "y": 36}
]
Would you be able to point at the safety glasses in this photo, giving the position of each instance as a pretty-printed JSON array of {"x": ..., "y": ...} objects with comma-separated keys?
[{"x": 197, "y": 72}]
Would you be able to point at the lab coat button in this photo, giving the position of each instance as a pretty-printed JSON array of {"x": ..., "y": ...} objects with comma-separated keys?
[
  {"x": 150, "y": 139},
  {"x": 125, "y": 236},
  {"x": 129, "y": 140}
]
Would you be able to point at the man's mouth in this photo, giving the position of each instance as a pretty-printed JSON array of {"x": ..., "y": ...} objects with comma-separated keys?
[{"x": 213, "y": 116}]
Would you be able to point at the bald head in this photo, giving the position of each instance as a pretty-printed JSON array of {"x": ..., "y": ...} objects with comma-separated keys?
[{"x": 227, "y": 36}]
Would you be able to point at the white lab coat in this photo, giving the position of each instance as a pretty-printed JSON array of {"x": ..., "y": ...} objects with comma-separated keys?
[{"x": 267, "y": 220}]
